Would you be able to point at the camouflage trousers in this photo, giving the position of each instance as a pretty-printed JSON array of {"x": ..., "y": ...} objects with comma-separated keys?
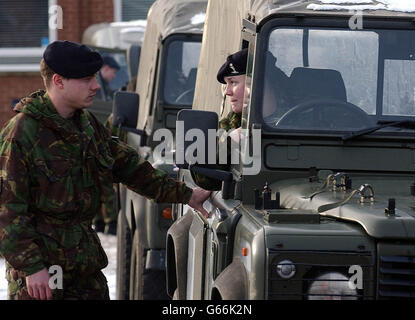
[{"x": 75, "y": 287}]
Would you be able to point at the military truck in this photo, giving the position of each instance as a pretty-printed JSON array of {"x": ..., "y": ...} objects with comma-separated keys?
[
  {"x": 165, "y": 84},
  {"x": 330, "y": 214},
  {"x": 122, "y": 41}
]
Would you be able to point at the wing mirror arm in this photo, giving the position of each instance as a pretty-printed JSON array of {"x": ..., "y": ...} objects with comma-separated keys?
[
  {"x": 228, "y": 184},
  {"x": 141, "y": 133},
  {"x": 134, "y": 130}
]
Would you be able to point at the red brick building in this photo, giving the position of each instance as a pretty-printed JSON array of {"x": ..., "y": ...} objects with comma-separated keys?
[
  {"x": 26, "y": 26},
  {"x": 77, "y": 15}
]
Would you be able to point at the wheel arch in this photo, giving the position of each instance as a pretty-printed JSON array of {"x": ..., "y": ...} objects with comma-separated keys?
[
  {"x": 232, "y": 283},
  {"x": 176, "y": 256}
]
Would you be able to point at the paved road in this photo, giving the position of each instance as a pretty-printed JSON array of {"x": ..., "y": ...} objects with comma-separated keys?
[{"x": 110, "y": 245}]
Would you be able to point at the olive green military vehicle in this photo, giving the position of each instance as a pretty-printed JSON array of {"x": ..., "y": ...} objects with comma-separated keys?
[
  {"x": 165, "y": 84},
  {"x": 329, "y": 212},
  {"x": 121, "y": 41}
]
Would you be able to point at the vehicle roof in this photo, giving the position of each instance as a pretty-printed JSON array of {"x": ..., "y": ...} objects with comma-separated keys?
[
  {"x": 115, "y": 35},
  {"x": 165, "y": 18},
  {"x": 387, "y": 8},
  {"x": 177, "y": 16}
]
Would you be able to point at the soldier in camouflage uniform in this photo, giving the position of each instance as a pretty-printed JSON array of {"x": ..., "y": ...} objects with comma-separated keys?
[
  {"x": 55, "y": 161},
  {"x": 231, "y": 73}
]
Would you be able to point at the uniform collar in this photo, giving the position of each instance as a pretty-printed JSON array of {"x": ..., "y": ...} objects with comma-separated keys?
[{"x": 39, "y": 106}]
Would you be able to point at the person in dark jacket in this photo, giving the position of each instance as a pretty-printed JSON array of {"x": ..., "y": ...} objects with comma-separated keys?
[{"x": 107, "y": 73}]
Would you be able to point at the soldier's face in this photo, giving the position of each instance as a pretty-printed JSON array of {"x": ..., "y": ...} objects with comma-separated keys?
[
  {"x": 81, "y": 92},
  {"x": 235, "y": 90}
]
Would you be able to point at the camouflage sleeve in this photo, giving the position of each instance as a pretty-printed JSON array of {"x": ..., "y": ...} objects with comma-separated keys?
[
  {"x": 18, "y": 236},
  {"x": 140, "y": 176}
]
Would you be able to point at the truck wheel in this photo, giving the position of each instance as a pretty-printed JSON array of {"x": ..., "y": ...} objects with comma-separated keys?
[
  {"x": 145, "y": 284},
  {"x": 123, "y": 257}
]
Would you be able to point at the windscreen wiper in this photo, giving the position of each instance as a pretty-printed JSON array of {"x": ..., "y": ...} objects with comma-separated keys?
[{"x": 381, "y": 124}]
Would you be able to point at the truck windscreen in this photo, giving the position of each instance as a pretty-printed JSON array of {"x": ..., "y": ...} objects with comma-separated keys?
[
  {"x": 338, "y": 80},
  {"x": 181, "y": 69}
]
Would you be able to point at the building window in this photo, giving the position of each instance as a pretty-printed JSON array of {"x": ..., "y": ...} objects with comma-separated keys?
[
  {"x": 127, "y": 10},
  {"x": 23, "y": 23},
  {"x": 24, "y": 33}
]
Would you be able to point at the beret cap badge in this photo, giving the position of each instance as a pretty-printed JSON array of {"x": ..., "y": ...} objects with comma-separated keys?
[
  {"x": 233, "y": 68},
  {"x": 235, "y": 65}
]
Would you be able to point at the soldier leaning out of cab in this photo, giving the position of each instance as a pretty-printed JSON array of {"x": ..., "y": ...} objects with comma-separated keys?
[
  {"x": 56, "y": 164},
  {"x": 232, "y": 74}
]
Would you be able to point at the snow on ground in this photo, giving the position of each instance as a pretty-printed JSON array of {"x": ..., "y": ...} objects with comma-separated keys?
[
  {"x": 109, "y": 242},
  {"x": 3, "y": 281}
]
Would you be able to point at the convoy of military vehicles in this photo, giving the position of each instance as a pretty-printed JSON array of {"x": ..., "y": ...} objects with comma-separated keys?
[
  {"x": 165, "y": 84},
  {"x": 329, "y": 212}
]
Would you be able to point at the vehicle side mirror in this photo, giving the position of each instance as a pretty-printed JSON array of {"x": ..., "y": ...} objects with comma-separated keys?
[
  {"x": 199, "y": 122},
  {"x": 125, "y": 109},
  {"x": 202, "y": 121},
  {"x": 125, "y": 112}
]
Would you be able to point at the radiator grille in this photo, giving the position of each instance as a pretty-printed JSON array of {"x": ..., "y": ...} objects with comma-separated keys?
[
  {"x": 396, "y": 277},
  {"x": 312, "y": 265}
]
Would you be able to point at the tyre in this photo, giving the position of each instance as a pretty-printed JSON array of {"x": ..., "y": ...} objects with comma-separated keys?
[
  {"x": 124, "y": 242},
  {"x": 145, "y": 284}
]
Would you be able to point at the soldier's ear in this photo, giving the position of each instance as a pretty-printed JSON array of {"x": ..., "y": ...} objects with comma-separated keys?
[{"x": 57, "y": 81}]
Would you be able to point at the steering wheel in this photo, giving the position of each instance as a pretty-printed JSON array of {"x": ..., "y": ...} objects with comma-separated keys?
[
  {"x": 185, "y": 96},
  {"x": 325, "y": 113}
]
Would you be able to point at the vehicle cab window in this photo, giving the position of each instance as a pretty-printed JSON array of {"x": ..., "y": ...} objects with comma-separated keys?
[{"x": 337, "y": 80}]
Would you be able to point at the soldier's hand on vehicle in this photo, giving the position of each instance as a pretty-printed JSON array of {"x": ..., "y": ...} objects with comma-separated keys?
[
  {"x": 38, "y": 285},
  {"x": 199, "y": 196}
]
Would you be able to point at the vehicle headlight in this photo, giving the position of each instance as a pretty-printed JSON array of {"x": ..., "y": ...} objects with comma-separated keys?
[{"x": 331, "y": 286}]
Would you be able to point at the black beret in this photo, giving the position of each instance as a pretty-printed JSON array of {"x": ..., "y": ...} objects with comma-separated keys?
[
  {"x": 110, "y": 61},
  {"x": 235, "y": 65},
  {"x": 72, "y": 60}
]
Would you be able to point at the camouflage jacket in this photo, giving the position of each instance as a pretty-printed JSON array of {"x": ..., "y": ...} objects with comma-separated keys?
[
  {"x": 53, "y": 173},
  {"x": 231, "y": 121}
]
